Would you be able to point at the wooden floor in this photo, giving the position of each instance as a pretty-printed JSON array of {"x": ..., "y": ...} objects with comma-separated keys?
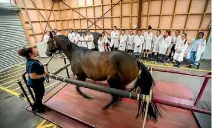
[{"x": 70, "y": 103}]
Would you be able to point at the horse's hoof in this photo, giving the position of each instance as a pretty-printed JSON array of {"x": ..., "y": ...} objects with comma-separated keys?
[{"x": 90, "y": 97}]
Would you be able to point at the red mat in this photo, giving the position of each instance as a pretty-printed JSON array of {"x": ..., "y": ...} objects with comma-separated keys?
[
  {"x": 68, "y": 101},
  {"x": 172, "y": 89}
]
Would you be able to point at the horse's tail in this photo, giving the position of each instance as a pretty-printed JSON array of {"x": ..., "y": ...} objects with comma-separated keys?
[{"x": 145, "y": 82}]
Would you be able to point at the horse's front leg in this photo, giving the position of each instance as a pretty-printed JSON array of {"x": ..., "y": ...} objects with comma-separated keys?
[{"x": 80, "y": 92}]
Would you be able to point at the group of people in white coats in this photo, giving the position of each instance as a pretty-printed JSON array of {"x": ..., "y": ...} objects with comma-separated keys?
[
  {"x": 130, "y": 42},
  {"x": 139, "y": 43},
  {"x": 178, "y": 45},
  {"x": 86, "y": 41}
]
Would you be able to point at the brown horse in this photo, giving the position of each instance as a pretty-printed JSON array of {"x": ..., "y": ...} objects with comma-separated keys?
[{"x": 117, "y": 67}]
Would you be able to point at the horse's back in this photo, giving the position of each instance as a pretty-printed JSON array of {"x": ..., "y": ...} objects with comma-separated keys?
[{"x": 99, "y": 65}]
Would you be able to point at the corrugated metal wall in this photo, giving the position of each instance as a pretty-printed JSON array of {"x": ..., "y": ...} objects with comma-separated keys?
[{"x": 12, "y": 36}]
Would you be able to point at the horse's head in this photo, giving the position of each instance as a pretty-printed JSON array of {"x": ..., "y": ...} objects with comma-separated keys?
[{"x": 51, "y": 44}]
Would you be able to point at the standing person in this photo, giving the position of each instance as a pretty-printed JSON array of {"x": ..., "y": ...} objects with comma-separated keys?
[
  {"x": 36, "y": 74},
  {"x": 156, "y": 40},
  {"x": 114, "y": 39},
  {"x": 198, "y": 45},
  {"x": 89, "y": 39},
  {"x": 147, "y": 41},
  {"x": 175, "y": 40},
  {"x": 180, "y": 49},
  {"x": 130, "y": 42},
  {"x": 163, "y": 46},
  {"x": 107, "y": 46},
  {"x": 46, "y": 36},
  {"x": 101, "y": 43},
  {"x": 71, "y": 35},
  {"x": 56, "y": 32},
  {"x": 83, "y": 41},
  {"x": 138, "y": 40},
  {"x": 77, "y": 38},
  {"x": 123, "y": 41}
]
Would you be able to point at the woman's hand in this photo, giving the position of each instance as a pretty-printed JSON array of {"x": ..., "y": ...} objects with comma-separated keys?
[{"x": 46, "y": 73}]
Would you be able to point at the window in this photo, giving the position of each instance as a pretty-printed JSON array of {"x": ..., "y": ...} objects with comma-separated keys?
[{"x": 6, "y": 1}]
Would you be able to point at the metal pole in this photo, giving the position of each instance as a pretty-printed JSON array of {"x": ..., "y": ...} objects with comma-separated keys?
[
  {"x": 179, "y": 72},
  {"x": 30, "y": 91},
  {"x": 177, "y": 105},
  {"x": 66, "y": 68},
  {"x": 202, "y": 90},
  {"x": 24, "y": 92},
  {"x": 130, "y": 95},
  {"x": 60, "y": 69}
]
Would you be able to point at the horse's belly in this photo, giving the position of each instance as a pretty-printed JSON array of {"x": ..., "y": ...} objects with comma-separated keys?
[{"x": 95, "y": 75}]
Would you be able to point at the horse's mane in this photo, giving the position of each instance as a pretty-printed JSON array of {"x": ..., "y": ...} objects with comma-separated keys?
[{"x": 73, "y": 45}]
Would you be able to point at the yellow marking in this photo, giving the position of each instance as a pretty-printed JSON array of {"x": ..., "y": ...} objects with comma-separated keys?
[
  {"x": 49, "y": 125},
  {"x": 18, "y": 87},
  {"x": 13, "y": 69},
  {"x": 42, "y": 122},
  {"x": 9, "y": 91},
  {"x": 11, "y": 81},
  {"x": 11, "y": 85},
  {"x": 169, "y": 66},
  {"x": 11, "y": 76},
  {"x": 7, "y": 74}
]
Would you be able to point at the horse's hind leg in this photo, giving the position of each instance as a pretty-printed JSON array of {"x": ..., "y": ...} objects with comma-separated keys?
[
  {"x": 84, "y": 95},
  {"x": 115, "y": 98}
]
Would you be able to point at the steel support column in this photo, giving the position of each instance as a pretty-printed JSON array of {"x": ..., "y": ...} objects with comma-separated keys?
[{"x": 140, "y": 3}]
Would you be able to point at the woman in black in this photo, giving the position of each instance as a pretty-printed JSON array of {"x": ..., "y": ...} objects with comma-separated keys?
[{"x": 36, "y": 74}]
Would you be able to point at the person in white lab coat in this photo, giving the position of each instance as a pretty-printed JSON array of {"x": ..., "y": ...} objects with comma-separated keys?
[
  {"x": 156, "y": 41},
  {"x": 46, "y": 37},
  {"x": 101, "y": 43},
  {"x": 147, "y": 41},
  {"x": 130, "y": 42},
  {"x": 175, "y": 40},
  {"x": 89, "y": 39},
  {"x": 71, "y": 35},
  {"x": 83, "y": 41},
  {"x": 114, "y": 38},
  {"x": 77, "y": 38},
  {"x": 105, "y": 38},
  {"x": 180, "y": 49},
  {"x": 163, "y": 46},
  {"x": 198, "y": 45},
  {"x": 138, "y": 40},
  {"x": 123, "y": 41}
]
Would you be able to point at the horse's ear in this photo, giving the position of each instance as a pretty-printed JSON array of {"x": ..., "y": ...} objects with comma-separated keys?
[{"x": 51, "y": 35}]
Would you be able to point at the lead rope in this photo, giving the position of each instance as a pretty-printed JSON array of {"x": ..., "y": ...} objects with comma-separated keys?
[{"x": 47, "y": 77}]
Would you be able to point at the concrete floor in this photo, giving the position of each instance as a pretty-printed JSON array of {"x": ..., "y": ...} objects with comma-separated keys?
[{"x": 13, "y": 112}]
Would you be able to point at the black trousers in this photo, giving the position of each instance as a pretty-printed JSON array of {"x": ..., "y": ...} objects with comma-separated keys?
[
  {"x": 39, "y": 91},
  {"x": 172, "y": 51}
]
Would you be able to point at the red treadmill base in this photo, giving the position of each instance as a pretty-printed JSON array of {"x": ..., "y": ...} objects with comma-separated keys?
[{"x": 69, "y": 102}]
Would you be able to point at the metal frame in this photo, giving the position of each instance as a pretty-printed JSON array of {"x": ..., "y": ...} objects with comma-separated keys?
[
  {"x": 183, "y": 106},
  {"x": 131, "y": 95}
]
